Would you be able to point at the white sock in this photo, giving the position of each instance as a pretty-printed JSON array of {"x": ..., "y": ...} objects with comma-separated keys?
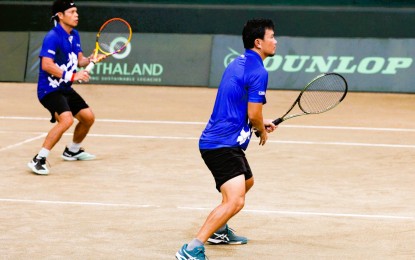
[
  {"x": 74, "y": 147},
  {"x": 43, "y": 153}
]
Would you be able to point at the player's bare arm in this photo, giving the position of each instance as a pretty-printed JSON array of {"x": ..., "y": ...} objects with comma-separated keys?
[
  {"x": 269, "y": 125},
  {"x": 257, "y": 121},
  {"x": 50, "y": 67},
  {"x": 82, "y": 60}
]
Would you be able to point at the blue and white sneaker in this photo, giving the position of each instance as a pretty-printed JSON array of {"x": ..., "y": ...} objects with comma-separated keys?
[
  {"x": 228, "y": 237},
  {"x": 198, "y": 253},
  {"x": 81, "y": 155}
]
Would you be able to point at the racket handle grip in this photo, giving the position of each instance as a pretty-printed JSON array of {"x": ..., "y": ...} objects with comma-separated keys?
[
  {"x": 256, "y": 133},
  {"x": 88, "y": 68},
  {"x": 277, "y": 121}
]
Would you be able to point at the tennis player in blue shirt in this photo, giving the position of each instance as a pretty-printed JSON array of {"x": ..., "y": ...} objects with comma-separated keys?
[
  {"x": 236, "y": 113},
  {"x": 60, "y": 56}
]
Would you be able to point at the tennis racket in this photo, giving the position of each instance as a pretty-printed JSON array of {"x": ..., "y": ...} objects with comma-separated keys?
[
  {"x": 323, "y": 93},
  {"x": 113, "y": 37}
]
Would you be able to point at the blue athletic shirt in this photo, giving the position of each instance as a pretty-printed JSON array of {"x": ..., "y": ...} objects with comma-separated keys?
[
  {"x": 244, "y": 80},
  {"x": 63, "y": 48}
]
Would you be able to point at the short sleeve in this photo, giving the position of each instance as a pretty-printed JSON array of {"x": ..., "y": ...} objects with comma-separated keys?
[
  {"x": 50, "y": 45},
  {"x": 257, "y": 86}
]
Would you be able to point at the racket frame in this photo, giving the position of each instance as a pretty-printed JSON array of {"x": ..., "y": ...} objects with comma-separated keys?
[
  {"x": 98, "y": 48},
  {"x": 297, "y": 101},
  {"x": 99, "y": 34}
]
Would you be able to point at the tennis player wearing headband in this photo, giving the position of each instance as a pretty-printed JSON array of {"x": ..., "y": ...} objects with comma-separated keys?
[{"x": 60, "y": 56}]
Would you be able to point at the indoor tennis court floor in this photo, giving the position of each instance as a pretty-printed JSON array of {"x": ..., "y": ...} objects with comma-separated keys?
[{"x": 339, "y": 185}]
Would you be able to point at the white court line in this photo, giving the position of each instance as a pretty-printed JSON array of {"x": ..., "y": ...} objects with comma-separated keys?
[
  {"x": 146, "y": 136},
  {"x": 204, "y": 123},
  {"x": 111, "y": 120},
  {"x": 345, "y": 144},
  {"x": 270, "y": 141},
  {"x": 327, "y": 214},
  {"x": 254, "y": 211},
  {"x": 197, "y": 138},
  {"x": 79, "y": 203},
  {"x": 43, "y": 135},
  {"x": 320, "y": 214},
  {"x": 352, "y": 128},
  {"x": 150, "y": 122}
]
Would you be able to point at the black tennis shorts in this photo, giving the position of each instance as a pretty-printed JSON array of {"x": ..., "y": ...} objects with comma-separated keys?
[
  {"x": 60, "y": 102},
  {"x": 226, "y": 163}
]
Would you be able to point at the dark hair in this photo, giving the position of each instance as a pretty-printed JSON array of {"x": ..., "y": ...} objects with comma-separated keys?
[{"x": 255, "y": 29}]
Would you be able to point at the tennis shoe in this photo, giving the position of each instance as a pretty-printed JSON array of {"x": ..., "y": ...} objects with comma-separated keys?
[
  {"x": 38, "y": 166},
  {"x": 228, "y": 237},
  {"x": 198, "y": 253},
  {"x": 81, "y": 155}
]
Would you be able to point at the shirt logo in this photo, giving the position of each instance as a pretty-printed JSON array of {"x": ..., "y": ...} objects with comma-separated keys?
[
  {"x": 261, "y": 93},
  {"x": 51, "y": 52}
]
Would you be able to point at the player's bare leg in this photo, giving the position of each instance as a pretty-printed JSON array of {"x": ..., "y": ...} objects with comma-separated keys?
[
  {"x": 86, "y": 119},
  {"x": 64, "y": 122},
  {"x": 38, "y": 163},
  {"x": 233, "y": 200},
  {"x": 74, "y": 152}
]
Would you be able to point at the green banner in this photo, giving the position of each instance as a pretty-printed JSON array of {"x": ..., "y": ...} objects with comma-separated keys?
[
  {"x": 385, "y": 65},
  {"x": 149, "y": 59},
  {"x": 13, "y": 47}
]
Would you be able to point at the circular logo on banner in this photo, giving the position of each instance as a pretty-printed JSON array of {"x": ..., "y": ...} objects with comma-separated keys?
[
  {"x": 230, "y": 57},
  {"x": 124, "y": 53}
]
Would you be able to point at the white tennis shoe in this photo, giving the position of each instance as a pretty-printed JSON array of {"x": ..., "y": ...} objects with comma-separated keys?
[
  {"x": 38, "y": 166},
  {"x": 81, "y": 155}
]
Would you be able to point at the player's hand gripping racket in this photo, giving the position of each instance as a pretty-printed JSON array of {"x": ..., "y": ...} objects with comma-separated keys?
[
  {"x": 113, "y": 37},
  {"x": 323, "y": 93}
]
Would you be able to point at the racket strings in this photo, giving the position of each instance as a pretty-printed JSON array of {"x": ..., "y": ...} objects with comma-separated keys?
[
  {"x": 114, "y": 36},
  {"x": 323, "y": 94}
]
